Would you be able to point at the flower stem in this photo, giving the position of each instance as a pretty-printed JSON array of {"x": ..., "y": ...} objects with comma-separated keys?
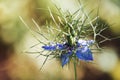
[{"x": 75, "y": 70}]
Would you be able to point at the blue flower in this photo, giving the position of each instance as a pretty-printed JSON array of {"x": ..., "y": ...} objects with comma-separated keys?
[{"x": 81, "y": 50}]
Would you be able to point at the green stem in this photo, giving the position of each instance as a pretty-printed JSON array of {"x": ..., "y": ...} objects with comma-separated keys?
[{"x": 75, "y": 70}]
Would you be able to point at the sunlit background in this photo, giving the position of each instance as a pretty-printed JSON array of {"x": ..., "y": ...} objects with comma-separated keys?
[{"x": 16, "y": 38}]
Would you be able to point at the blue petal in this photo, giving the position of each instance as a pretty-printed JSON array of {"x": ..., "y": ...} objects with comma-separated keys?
[
  {"x": 65, "y": 58},
  {"x": 84, "y": 42},
  {"x": 69, "y": 53},
  {"x": 84, "y": 54},
  {"x": 49, "y": 47},
  {"x": 61, "y": 46}
]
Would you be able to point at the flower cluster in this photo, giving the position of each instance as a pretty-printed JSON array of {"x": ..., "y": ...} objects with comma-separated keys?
[{"x": 80, "y": 50}]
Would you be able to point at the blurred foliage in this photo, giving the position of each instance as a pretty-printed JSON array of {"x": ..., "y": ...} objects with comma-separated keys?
[{"x": 117, "y": 2}]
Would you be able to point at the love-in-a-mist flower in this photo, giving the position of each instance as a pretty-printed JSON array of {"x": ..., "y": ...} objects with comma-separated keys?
[{"x": 80, "y": 50}]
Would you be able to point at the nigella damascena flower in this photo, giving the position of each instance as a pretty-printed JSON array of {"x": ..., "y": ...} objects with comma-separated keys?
[{"x": 81, "y": 50}]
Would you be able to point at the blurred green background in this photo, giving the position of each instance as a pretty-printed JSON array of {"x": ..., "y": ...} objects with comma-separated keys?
[{"x": 15, "y": 38}]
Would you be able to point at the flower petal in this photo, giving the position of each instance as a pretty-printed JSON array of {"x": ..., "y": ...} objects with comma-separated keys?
[
  {"x": 84, "y": 54},
  {"x": 60, "y": 46},
  {"x": 84, "y": 42},
  {"x": 65, "y": 58},
  {"x": 49, "y": 47}
]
